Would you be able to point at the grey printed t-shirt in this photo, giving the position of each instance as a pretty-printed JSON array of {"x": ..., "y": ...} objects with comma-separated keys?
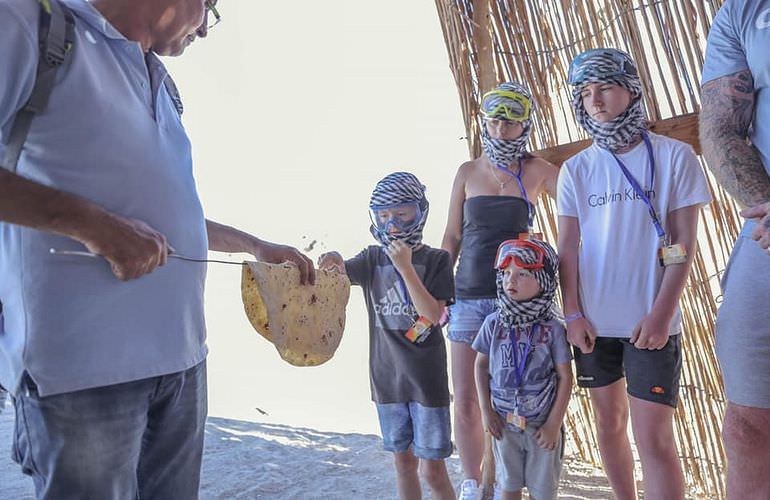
[
  {"x": 539, "y": 381},
  {"x": 400, "y": 371}
]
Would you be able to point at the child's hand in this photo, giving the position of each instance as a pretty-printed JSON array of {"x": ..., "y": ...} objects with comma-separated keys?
[
  {"x": 581, "y": 334},
  {"x": 547, "y": 436},
  {"x": 652, "y": 332},
  {"x": 331, "y": 261},
  {"x": 400, "y": 254},
  {"x": 493, "y": 423}
]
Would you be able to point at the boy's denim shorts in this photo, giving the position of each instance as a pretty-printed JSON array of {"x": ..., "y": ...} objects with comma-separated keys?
[
  {"x": 427, "y": 429},
  {"x": 466, "y": 317}
]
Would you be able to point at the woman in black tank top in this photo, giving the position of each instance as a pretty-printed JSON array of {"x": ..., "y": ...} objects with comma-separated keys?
[{"x": 492, "y": 200}]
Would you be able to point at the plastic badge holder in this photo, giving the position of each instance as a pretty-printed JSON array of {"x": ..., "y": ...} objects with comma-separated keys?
[
  {"x": 672, "y": 254},
  {"x": 419, "y": 331}
]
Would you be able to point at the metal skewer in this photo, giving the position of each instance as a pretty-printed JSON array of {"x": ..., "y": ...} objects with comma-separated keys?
[{"x": 78, "y": 253}]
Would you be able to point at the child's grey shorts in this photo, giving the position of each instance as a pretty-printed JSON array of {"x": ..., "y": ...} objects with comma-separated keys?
[
  {"x": 520, "y": 462},
  {"x": 743, "y": 325}
]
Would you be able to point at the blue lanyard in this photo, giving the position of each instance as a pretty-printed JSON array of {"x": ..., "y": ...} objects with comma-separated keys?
[
  {"x": 517, "y": 175},
  {"x": 519, "y": 365},
  {"x": 638, "y": 189}
]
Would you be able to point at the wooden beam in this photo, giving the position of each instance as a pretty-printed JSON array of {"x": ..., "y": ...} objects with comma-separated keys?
[
  {"x": 482, "y": 39},
  {"x": 683, "y": 128}
]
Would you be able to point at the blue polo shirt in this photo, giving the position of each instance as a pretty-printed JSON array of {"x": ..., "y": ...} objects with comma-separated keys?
[
  {"x": 738, "y": 40},
  {"x": 110, "y": 134}
]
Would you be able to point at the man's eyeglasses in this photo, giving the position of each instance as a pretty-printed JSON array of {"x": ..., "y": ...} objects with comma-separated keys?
[{"x": 211, "y": 6}]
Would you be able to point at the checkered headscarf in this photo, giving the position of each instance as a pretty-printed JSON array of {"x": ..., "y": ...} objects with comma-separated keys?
[
  {"x": 503, "y": 152},
  {"x": 396, "y": 188},
  {"x": 540, "y": 308},
  {"x": 621, "y": 131}
]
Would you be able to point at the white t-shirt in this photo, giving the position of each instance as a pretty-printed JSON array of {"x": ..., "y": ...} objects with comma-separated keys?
[{"x": 619, "y": 274}]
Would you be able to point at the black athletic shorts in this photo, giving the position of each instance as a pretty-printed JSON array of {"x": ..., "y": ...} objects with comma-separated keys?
[{"x": 650, "y": 375}]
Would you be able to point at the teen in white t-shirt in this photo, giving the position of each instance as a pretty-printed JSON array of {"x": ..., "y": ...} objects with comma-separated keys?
[
  {"x": 619, "y": 270},
  {"x": 620, "y": 303}
]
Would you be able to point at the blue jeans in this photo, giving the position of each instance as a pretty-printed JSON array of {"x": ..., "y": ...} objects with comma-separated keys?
[
  {"x": 141, "y": 439},
  {"x": 411, "y": 424}
]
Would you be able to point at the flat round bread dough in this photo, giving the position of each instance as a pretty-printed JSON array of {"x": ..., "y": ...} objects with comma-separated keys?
[{"x": 304, "y": 322}]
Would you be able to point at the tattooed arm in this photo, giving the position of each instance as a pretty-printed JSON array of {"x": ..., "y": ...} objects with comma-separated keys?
[{"x": 727, "y": 112}]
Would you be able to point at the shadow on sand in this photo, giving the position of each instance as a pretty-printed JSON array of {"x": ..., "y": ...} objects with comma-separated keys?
[{"x": 250, "y": 460}]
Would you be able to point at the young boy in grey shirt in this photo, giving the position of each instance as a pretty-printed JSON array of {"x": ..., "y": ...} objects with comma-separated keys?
[{"x": 523, "y": 371}]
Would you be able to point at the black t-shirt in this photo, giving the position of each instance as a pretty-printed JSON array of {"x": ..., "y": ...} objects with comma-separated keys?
[{"x": 399, "y": 370}]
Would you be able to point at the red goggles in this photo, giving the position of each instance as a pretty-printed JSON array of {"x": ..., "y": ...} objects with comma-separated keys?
[{"x": 508, "y": 251}]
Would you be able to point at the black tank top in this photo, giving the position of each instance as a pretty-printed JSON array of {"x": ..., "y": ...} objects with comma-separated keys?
[{"x": 487, "y": 222}]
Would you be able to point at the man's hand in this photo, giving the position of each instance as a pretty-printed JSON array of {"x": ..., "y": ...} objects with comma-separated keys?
[
  {"x": 332, "y": 261},
  {"x": 224, "y": 238},
  {"x": 547, "y": 436},
  {"x": 761, "y": 233},
  {"x": 652, "y": 332},
  {"x": 492, "y": 422},
  {"x": 400, "y": 254},
  {"x": 132, "y": 247},
  {"x": 581, "y": 334},
  {"x": 278, "y": 254}
]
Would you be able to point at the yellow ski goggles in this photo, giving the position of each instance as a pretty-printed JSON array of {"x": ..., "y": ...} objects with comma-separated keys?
[{"x": 506, "y": 104}]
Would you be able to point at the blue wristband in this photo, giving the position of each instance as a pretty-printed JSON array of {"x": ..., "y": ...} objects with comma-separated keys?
[{"x": 572, "y": 317}]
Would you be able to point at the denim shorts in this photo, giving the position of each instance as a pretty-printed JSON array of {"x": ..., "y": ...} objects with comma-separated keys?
[
  {"x": 427, "y": 429},
  {"x": 466, "y": 317}
]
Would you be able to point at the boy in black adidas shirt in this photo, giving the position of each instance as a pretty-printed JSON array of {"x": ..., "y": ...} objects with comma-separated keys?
[{"x": 406, "y": 286}]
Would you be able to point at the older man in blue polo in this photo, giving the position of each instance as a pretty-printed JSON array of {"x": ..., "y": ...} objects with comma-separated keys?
[{"x": 104, "y": 358}]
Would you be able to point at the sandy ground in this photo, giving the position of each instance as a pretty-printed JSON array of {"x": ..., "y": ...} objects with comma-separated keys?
[{"x": 248, "y": 460}]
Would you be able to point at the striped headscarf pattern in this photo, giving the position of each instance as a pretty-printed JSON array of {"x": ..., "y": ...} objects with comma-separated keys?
[
  {"x": 503, "y": 152},
  {"x": 395, "y": 189},
  {"x": 540, "y": 308},
  {"x": 624, "y": 129}
]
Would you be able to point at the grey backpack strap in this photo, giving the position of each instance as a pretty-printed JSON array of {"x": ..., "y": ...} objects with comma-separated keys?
[{"x": 56, "y": 36}]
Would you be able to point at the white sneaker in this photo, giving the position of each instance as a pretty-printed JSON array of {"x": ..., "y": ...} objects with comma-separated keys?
[{"x": 469, "y": 490}]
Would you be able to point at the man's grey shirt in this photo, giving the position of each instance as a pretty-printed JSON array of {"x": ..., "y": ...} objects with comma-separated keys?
[{"x": 738, "y": 40}]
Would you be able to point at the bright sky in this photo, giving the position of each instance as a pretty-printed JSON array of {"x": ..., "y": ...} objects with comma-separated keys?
[{"x": 295, "y": 110}]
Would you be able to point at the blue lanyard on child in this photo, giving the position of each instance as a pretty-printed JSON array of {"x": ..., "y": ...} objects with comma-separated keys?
[
  {"x": 638, "y": 189},
  {"x": 517, "y": 175},
  {"x": 519, "y": 365}
]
